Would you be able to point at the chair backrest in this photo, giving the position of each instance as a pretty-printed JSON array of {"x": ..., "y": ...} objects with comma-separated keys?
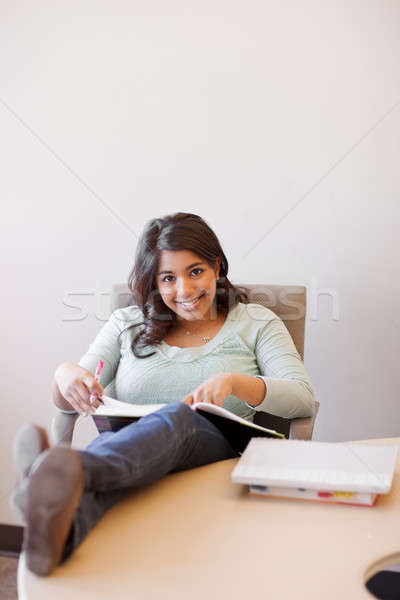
[{"x": 286, "y": 301}]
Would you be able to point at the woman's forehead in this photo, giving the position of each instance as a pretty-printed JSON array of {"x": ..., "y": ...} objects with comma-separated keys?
[{"x": 177, "y": 259}]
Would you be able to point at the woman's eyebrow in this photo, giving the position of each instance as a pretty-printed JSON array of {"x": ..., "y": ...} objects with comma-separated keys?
[{"x": 187, "y": 268}]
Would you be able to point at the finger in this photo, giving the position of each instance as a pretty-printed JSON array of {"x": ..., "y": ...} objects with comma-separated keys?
[
  {"x": 200, "y": 396},
  {"x": 82, "y": 391},
  {"x": 71, "y": 398},
  {"x": 96, "y": 403},
  {"x": 92, "y": 385},
  {"x": 84, "y": 398},
  {"x": 91, "y": 400},
  {"x": 96, "y": 393},
  {"x": 188, "y": 400},
  {"x": 97, "y": 389},
  {"x": 77, "y": 403},
  {"x": 207, "y": 397},
  {"x": 195, "y": 397},
  {"x": 217, "y": 400}
]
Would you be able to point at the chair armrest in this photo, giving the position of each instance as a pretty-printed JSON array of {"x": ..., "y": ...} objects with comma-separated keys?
[
  {"x": 62, "y": 428},
  {"x": 293, "y": 429},
  {"x": 302, "y": 429}
]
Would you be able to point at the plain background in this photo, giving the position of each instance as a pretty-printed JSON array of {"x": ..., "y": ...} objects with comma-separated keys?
[{"x": 279, "y": 123}]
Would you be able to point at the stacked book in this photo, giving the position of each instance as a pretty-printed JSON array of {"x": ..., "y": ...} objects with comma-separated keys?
[{"x": 344, "y": 473}]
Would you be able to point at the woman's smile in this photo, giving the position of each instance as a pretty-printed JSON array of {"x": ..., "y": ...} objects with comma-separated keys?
[{"x": 191, "y": 304}]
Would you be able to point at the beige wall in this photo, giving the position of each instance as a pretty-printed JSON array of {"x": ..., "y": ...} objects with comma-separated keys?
[{"x": 277, "y": 122}]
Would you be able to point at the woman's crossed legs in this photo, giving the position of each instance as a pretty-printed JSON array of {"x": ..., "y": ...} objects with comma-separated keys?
[{"x": 174, "y": 438}]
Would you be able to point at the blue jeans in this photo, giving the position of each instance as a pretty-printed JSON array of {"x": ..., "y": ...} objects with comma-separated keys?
[{"x": 174, "y": 438}]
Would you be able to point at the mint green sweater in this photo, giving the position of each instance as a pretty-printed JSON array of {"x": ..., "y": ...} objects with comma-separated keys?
[{"x": 252, "y": 341}]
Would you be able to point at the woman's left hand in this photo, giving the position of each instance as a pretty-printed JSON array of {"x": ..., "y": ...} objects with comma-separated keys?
[{"x": 213, "y": 390}]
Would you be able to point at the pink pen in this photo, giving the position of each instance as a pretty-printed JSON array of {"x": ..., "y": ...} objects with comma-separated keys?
[{"x": 96, "y": 377}]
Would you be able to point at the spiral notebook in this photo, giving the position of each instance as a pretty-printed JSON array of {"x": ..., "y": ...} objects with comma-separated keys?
[{"x": 327, "y": 472}]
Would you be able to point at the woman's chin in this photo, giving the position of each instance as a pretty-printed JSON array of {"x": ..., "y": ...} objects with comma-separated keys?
[{"x": 193, "y": 315}]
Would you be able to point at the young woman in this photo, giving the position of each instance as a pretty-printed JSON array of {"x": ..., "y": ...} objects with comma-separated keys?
[{"x": 190, "y": 336}]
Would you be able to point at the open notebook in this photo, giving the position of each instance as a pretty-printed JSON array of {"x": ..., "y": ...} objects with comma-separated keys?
[
  {"x": 323, "y": 471},
  {"x": 112, "y": 415}
]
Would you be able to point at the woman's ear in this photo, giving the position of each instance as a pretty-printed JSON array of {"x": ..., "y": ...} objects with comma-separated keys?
[{"x": 217, "y": 267}]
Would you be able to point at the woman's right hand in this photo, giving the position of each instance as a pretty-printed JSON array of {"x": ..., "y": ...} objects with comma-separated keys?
[{"x": 76, "y": 385}]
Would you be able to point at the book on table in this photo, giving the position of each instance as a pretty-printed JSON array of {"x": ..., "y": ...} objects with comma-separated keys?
[
  {"x": 345, "y": 473},
  {"x": 112, "y": 415}
]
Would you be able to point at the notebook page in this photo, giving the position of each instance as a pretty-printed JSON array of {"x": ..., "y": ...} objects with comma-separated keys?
[{"x": 116, "y": 408}]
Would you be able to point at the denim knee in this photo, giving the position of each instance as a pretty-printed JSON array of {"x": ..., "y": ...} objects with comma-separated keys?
[
  {"x": 180, "y": 409},
  {"x": 179, "y": 415}
]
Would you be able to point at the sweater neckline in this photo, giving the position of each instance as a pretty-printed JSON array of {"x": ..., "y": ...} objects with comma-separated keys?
[{"x": 194, "y": 352}]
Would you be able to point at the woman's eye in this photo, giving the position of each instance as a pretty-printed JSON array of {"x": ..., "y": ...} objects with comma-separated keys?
[{"x": 195, "y": 272}]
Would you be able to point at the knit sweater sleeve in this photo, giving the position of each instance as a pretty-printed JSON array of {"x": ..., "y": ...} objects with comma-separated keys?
[
  {"x": 108, "y": 344},
  {"x": 289, "y": 392}
]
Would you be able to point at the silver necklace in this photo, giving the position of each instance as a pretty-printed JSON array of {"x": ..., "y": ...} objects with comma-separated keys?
[{"x": 205, "y": 338}]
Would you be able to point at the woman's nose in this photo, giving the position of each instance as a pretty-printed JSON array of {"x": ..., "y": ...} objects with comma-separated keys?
[{"x": 184, "y": 288}]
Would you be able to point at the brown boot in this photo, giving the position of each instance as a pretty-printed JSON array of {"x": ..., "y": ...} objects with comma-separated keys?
[
  {"x": 29, "y": 443},
  {"x": 54, "y": 491}
]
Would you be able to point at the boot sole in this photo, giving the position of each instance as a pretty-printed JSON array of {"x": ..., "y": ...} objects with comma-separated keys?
[{"x": 53, "y": 497}]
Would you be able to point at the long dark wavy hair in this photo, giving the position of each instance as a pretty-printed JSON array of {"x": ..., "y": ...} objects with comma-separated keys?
[{"x": 179, "y": 231}]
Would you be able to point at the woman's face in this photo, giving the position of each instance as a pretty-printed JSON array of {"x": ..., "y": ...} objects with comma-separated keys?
[{"x": 187, "y": 284}]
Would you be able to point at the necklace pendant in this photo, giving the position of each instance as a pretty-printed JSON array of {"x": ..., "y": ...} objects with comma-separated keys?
[{"x": 205, "y": 338}]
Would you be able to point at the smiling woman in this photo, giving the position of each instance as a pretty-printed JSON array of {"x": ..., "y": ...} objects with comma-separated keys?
[
  {"x": 186, "y": 287},
  {"x": 190, "y": 336},
  {"x": 179, "y": 281}
]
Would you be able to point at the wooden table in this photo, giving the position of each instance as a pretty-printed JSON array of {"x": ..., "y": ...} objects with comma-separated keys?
[{"x": 195, "y": 535}]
